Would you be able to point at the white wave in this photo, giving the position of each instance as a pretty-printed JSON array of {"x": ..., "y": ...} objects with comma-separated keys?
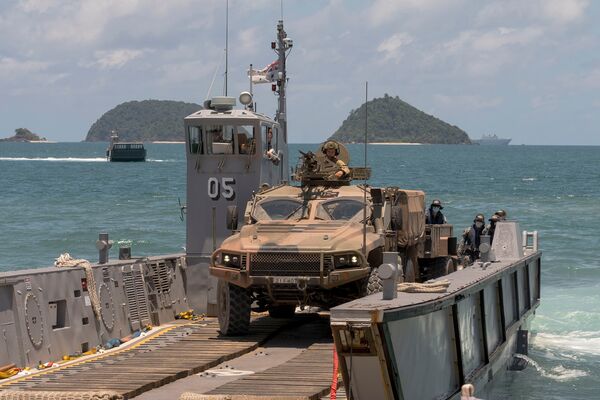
[
  {"x": 62, "y": 159},
  {"x": 580, "y": 342},
  {"x": 529, "y": 179},
  {"x": 558, "y": 373}
]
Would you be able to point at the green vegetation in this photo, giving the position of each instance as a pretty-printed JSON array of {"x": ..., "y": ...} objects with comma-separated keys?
[
  {"x": 148, "y": 120},
  {"x": 23, "y": 135},
  {"x": 392, "y": 120}
]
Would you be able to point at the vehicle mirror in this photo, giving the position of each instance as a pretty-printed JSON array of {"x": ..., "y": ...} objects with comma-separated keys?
[{"x": 232, "y": 218}]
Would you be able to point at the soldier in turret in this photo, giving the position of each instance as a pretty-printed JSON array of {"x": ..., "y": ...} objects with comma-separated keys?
[
  {"x": 331, "y": 165},
  {"x": 491, "y": 228}
]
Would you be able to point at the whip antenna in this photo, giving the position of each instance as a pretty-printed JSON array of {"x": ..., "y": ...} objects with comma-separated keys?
[
  {"x": 226, "y": 42},
  {"x": 365, "y": 183}
]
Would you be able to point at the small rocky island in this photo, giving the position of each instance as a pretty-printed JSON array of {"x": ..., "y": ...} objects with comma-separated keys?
[
  {"x": 24, "y": 135},
  {"x": 391, "y": 120}
]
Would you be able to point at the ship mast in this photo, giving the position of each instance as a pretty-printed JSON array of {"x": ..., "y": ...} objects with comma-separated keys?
[{"x": 282, "y": 46}]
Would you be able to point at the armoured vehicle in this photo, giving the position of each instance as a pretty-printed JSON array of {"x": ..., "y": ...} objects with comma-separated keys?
[{"x": 320, "y": 243}]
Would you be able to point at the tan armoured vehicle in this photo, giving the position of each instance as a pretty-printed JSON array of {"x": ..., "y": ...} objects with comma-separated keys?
[{"x": 319, "y": 244}]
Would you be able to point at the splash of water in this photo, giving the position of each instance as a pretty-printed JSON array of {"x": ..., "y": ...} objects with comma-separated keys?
[{"x": 558, "y": 373}]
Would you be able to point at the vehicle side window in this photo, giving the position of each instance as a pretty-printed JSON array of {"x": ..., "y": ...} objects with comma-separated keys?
[
  {"x": 219, "y": 139},
  {"x": 245, "y": 139},
  {"x": 195, "y": 139}
]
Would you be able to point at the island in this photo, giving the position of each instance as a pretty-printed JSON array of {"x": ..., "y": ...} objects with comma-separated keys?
[
  {"x": 143, "y": 121},
  {"x": 391, "y": 120},
  {"x": 24, "y": 135}
]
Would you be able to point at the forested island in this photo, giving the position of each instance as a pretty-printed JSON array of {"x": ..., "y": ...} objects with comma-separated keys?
[
  {"x": 24, "y": 135},
  {"x": 147, "y": 120},
  {"x": 391, "y": 120}
]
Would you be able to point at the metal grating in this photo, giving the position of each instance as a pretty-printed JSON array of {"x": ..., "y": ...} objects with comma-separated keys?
[
  {"x": 161, "y": 277},
  {"x": 243, "y": 260},
  {"x": 285, "y": 264},
  {"x": 137, "y": 301}
]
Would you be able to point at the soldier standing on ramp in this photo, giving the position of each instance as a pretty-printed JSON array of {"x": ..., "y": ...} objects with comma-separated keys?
[{"x": 331, "y": 166}]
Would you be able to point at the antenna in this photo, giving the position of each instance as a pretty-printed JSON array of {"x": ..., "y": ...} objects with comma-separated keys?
[
  {"x": 226, "y": 42},
  {"x": 282, "y": 10},
  {"x": 365, "y": 190}
]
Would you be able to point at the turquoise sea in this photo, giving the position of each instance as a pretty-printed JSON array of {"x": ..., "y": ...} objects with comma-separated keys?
[{"x": 57, "y": 197}]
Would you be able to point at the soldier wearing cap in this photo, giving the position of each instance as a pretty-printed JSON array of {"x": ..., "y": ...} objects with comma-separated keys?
[
  {"x": 333, "y": 167},
  {"x": 434, "y": 215},
  {"x": 471, "y": 239}
]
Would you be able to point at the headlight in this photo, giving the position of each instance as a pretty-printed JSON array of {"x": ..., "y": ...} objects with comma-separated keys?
[
  {"x": 346, "y": 260},
  {"x": 231, "y": 260}
]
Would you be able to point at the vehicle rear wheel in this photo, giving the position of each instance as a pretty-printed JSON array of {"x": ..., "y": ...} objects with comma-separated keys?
[
  {"x": 233, "y": 309},
  {"x": 286, "y": 311},
  {"x": 374, "y": 282}
]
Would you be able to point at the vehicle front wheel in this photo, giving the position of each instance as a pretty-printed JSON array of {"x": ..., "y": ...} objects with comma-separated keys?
[{"x": 233, "y": 309}]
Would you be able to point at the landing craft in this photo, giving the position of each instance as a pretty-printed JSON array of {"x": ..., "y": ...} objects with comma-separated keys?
[{"x": 406, "y": 342}]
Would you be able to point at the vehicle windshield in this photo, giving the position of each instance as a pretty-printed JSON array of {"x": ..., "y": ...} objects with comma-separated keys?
[
  {"x": 280, "y": 209},
  {"x": 341, "y": 210}
]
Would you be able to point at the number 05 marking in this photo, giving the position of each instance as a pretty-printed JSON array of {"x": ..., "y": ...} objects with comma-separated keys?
[{"x": 223, "y": 188}]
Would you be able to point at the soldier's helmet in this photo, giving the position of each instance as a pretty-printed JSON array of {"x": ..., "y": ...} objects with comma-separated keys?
[
  {"x": 500, "y": 213},
  {"x": 331, "y": 145},
  {"x": 494, "y": 218},
  {"x": 479, "y": 218},
  {"x": 436, "y": 203}
]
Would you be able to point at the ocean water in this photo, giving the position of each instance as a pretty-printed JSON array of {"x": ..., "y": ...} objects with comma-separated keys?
[{"x": 57, "y": 197}]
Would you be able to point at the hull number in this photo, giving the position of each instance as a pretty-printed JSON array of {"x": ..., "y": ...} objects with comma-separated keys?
[{"x": 224, "y": 188}]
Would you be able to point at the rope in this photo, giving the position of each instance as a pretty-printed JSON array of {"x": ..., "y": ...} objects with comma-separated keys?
[
  {"x": 334, "y": 381},
  {"x": 432, "y": 287},
  {"x": 52, "y": 395},
  {"x": 65, "y": 260}
]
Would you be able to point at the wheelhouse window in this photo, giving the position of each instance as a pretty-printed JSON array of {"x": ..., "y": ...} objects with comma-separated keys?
[
  {"x": 280, "y": 209},
  {"x": 219, "y": 139},
  {"x": 268, "y": 138},
  {"x": 245, "y": 139},
  {"x": 195, "y": 139},
  {"x": 341, "y": 210}
]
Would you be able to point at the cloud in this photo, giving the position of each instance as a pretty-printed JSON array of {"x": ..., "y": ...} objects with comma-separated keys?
[
  {"x": 563, "y": 11},
  {"x": 10, "y": 67},
  {"x": 384, "y": 11},
  {"x": 505, "y": 37},
  {"x": 547, "y": 101},
  {"x": 553, "y": 12},
  {"x": 116, "y": 58},
  {"x": 467, "y": 102},
  {"x": 391, "y": 47}
]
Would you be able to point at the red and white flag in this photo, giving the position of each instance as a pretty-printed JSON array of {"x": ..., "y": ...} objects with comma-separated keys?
[{"x": 265, "y": 75}]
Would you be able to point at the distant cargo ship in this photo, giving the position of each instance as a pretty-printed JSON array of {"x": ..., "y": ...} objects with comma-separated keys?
[{"x": 491, "y": 140}]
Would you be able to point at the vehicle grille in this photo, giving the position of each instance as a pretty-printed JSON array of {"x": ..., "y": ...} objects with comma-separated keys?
[{"x": 285, "y": 264}]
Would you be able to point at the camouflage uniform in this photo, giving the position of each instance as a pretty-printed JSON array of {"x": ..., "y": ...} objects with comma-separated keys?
[{"x": 331, "y": 166}]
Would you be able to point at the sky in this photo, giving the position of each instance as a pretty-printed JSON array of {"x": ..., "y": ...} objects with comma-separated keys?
[{"x": 528, "y": 70}]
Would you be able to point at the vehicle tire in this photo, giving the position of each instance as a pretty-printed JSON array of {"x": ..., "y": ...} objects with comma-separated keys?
[
  {"x": 409, "y": 271},
  {"x": 233, "y": 309},
  {"x": 286, "y": 311},
  {"x": 374, "y": 282},
  {"x": 449, "y": 267}
]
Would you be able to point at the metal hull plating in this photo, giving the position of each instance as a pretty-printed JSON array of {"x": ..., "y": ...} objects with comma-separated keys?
[
  {"x": 427, "y": 345},
  {"x": 47, "y": 313}
]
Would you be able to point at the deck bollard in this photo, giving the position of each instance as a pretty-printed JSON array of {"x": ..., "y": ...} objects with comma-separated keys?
[
  {"x": 388, "y": 272},
  {"x": 103, "y": 245}
]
